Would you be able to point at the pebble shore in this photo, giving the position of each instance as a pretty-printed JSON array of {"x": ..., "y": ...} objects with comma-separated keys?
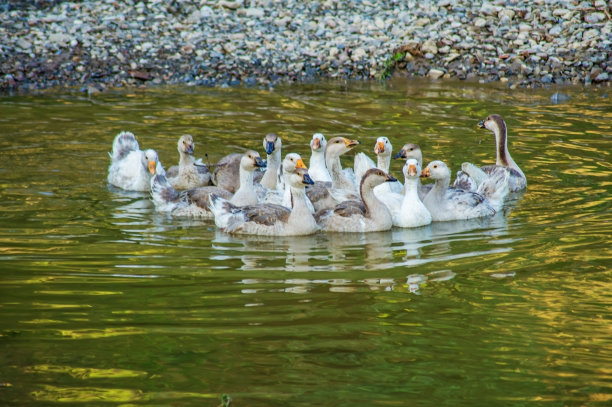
[{"x": 97, "y": 45}]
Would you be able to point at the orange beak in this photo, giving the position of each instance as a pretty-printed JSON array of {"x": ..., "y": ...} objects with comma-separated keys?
[
  {"x": 380, "y": 148},
  {"x": 316, "y": 144},
  {"x": 300, "y": 164},
  {"x": 412, "y": 170},
  {"x": 351, "y": 143},
  {"x": 152, "y": 167},
  {"x": 425, "y": 173}
]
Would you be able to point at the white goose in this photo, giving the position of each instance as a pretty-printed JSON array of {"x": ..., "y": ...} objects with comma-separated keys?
[
  {"x": 407, "y": 210},
  {"x": 290, "y": 164},
  {"x": 446, "y": 203},
  {"x": 130, "y": 168},
  {"x": 318, "y": 170},
  {"x": 195, "y": 202},
  {"x": 383, "y": 150},
  {"x": 189, "y": 173},
  {"x": 269, "y": 219},
  {"x": 411, "y": 150},
  {"x": 272, "y": 144},
  {"x": 369, "y": 215},
  {"x": 470, "y": 176}
]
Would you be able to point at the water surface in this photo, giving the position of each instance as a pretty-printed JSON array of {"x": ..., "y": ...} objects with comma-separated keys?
[{"x": 104, "y": 301}]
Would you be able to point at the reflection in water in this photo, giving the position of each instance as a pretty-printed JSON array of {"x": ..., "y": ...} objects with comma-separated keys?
[{"x": 104, "y": 300}]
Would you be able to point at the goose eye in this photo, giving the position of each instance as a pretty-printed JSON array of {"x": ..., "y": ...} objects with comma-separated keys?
[{"x": 435, "y": 166}]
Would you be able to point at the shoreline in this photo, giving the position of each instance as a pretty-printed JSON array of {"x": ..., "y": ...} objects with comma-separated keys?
[{"x": 94, "y": 46}]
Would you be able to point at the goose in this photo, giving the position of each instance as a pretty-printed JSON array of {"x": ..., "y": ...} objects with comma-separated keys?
[
  {"x": 336, "y": 147},
  {"x": 272, "y": 144},
  {"x": 195, "y": 202},
  {"x": 130, "y": 168},
  {"x": 412, "y": 150},
  {"x": 470, "y": 176},
  {"x": 189, "y": 173},
  {"x": 318, "y": 170},
  {"x": 446, "y": 203},
  {"x": 269, "y": 219},
  {"x": 367, "y": 215},
  {"x": 291, "y": 162},
  {"x": 407, "y": 210},
  {"x": 383, "y": 150}
]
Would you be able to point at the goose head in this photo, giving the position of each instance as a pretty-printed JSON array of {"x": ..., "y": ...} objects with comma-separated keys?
[
  {"x": 436, "y": 170},
  {"x": 185, "y": 144},
  {"x": 494, "y": 123},
  {"x": 374, "y": 177},
  {"x": 340, "y": 145},
  {"x": 292, "y": 162},
  {"x": 251, "y": 160},
  {"x": 318, "y": 142},
  {"x": 410, "y": 150},
  {"x": 271, "y": 143},
  {"x": 383, "y": 146},
  {"x": 412, "y": 168},
  {"x": 150, "y": 160},
  {"x": 300, "y": 178}
]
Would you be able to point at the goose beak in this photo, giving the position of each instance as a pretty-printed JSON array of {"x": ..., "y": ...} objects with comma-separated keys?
[
  {"x": 269, "y": 147},
  {"x": 259, "y": 162},
  {"x": 481, "y": 124},
  {"x": 412, "y": 171},
  {"x": 351, "y": 143},
  {"x": 425, "y": 173},
  {"x": 400, "y": 155},
  {"x": 151, "y": 166},
  {"x": 300, "y": 164},
  {"x": 307, "y": 180},
  {"x": 390, "y": 178},
  {"x": 380, "y": 148},
  {"x": 189, "y": 149},
  {"x": 316, "y": 144}
]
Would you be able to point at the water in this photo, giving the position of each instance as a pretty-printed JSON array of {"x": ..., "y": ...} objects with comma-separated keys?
[{"x": 105, "y": 302}]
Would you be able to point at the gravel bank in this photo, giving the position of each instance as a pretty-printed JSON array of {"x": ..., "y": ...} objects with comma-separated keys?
[{"x": 95, "y": 45}]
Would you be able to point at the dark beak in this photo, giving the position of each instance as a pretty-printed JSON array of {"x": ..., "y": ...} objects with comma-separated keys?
[
  {"x": 307, "y": 180},
  {"x": 399, "y": 155},
  {"x": 390, "y": 178},
  {"x": 269, "y": 147},
  {"x": 260, "y": 163},
  {"x": 190, "y": 149},
  {"x": 481, "y": 124}
]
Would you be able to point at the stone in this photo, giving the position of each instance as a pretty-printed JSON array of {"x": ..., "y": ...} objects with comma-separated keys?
[{"x": 435, "y": 73}]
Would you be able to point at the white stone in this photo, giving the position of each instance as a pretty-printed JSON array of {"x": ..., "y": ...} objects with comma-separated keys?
[
  {"x": 255, "y": 12},
  {"x": 480, "y": 22},
  {"x": 429, "y": 46},
  {"x": 435, "y": 73},
  {"x": 594, "y": 18}
]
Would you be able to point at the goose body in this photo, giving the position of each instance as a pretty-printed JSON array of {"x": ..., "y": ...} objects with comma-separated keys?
[
  {"x": 318, "y": 169},
  {"x": 130, "y": 168},
  {"x": 367, "y": 215},
  {"x": 470, "y": 177},
  {"x": 282, "y": 196},
  {"x": 190, "y": 173},
  {"x": 269, "y": 219},
  {"x": 195, "y": 202},
  {"x": 446, "y": 203},
  {"x": 407, "y": 210},
  {"x": 336, "y": 147}
]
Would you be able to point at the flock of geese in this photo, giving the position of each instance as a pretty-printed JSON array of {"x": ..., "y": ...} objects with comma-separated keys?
[{"x": 289, "y": 199}]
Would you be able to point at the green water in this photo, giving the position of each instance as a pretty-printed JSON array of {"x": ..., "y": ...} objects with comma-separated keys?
[{"x": 105, "y": 302}]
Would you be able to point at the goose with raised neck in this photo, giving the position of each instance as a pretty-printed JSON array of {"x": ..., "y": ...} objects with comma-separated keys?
[
  {"x": 470, "y": 176},
  {"x": 190, "y": 173},
  {"x": 407, "y": 209},
  {"x": 318, "y": 169},
  {"x": 336, "y": 147}
]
